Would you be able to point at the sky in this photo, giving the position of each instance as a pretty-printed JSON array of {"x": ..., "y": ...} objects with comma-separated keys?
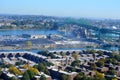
[{"x": 63, "y": 8}]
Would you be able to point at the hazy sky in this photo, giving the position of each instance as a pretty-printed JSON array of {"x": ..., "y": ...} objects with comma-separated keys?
[{"x": 72, "y": 8}]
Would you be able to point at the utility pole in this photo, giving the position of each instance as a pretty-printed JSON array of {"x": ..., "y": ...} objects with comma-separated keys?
[{"x": 119, "y": 44}]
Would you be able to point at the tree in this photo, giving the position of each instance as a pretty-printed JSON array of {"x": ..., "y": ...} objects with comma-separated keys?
[
  {"x": 100, "y": 52},
  {"x": 41, "y": 67},
  {"x": 25, "y": 76},
  {"x": 64, "y": 77},
  {"x": 30, "y": 73},
  {"x": 111, "y": 72},
  {"x": 42, "y": 77},
  {"x": 111, "y": 60},
  {"x": 100, "y": 63},
  {"x": 44, "y": 53},
  {"x": 28, "y": 44},
  {"x": 100, "y": 75},
  {"x": 62, "y": 54},
  {"x": 51, "y": 55},
  {"x": 85, "y": 78},
  {"x": 93, "y": 66},
  {"x": 18, "y": 63},
  {"x": 73, "y": 69},
  {"x": 12, "y": 78},
  {"x": 47, "y": 72},
  {"x": 79, "y": 76},
  {"x": 14, "y": 70},
  {"x": 75, "y": 63},
  {"x": 117, "y": 57},
  {"x": 75, "y": 56},
  {"x": 114, "y": 79},
  {"x": 92, "y": 52},
  {"x": 34, "y": 70},
  {"x": 70, "y": 77},
  {"x": 26, "y": 66}
]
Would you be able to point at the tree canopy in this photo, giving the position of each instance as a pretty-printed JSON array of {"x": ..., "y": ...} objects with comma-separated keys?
[{"x": 42, "y": 77}]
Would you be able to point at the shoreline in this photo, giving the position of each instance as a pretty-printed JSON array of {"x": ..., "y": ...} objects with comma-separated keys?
[{"x": 27, "y": 29}]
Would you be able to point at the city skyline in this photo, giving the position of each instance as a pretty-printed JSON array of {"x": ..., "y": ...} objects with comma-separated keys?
[{"x": 63, "y": 8}]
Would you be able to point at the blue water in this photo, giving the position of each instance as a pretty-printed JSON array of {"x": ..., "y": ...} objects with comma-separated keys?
[
  {"x": 20, "y": 32},
  {"x": 35, "y": 51},
  {"x": 63, "y": 49}
]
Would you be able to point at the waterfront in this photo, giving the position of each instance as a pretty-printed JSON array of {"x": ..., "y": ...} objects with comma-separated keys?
[
  {"x": 46, "y": 32},
  {"x": 30, "y": 32},
  {"x": 58, "y": 50}
]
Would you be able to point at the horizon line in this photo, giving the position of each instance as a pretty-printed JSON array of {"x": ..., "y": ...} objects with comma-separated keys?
[{"x": 93, "y": 18}]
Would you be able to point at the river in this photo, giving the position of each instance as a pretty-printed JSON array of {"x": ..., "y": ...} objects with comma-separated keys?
[{"x": 20, "y": 32}]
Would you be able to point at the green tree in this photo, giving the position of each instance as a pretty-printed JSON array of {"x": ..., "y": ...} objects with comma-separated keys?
[
  {"x": 100, "y": 63},
  {"x": 75, "y": 56},
  {"x": 114, "y": 79},
  {"x": 14, "y": 70},
  {"x": 62, "y": 54},
  {"x": 25, "y": 76},
  {"x": 28, "y": 44},
  {"x": 100, "y": 52},
  {"x": 12, "y": 78},
  {"x": 64, "y": 77},
  {"x": 30, "y": 73},
  {"x": 41, "y": 67},
  {"x": 44, "y": 53},
  {"x": 111, "y": 72},
  {"x": 117, "y": 57},
  {"x": 42, "y": 77},
  {"x": 100, "y": 75},
  {"x": 75, "y": 63},
  {"x": 18, "y": 63},
  {"x": 79, "y": 76},
  {"x": 51, "y": 55},
  {"x": 111, "y": 60},
  {"x": 47, "y": 72},
  {"x": 34, "y": 70},
  {"x": 73, "y": 69},
  {"x": 85, "y": 78}
]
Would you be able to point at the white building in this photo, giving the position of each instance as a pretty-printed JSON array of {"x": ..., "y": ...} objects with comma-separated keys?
[{"x": 38, "y": 36}]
